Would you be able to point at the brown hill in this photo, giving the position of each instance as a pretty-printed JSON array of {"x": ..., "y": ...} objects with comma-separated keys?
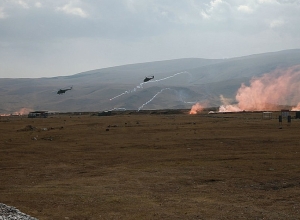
[{"x": 177, "y": 84}]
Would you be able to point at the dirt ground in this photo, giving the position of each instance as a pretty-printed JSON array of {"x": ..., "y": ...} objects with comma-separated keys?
[{"x": 151, "y": 166}]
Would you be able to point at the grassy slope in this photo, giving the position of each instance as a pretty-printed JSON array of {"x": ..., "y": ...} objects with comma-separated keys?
[{"x": 206, "y": 79}]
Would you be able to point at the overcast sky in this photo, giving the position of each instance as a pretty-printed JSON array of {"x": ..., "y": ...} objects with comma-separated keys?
[{"x": 44, "y": 38}]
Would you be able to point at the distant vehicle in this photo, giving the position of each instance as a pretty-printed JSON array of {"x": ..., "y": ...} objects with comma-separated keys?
[
  {"x": 104, "y": 113},
  {"x": 62, "y": 91},
  {"x": 148, "y": 78},
  {"x": 38, "y": 114}
]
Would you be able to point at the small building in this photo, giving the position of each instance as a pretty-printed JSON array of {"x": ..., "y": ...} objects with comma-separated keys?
[
  {"x": 104, "y": 113},
  {"x": 267, "y": 115},
  {"x": 285, "y": 113},
  {"x": 38, "y": 114}
]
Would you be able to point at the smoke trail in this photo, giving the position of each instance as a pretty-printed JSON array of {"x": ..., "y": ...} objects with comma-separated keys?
[
  {"x": 181, "y": 96},
  {"x": 118, "y": 109},
  {"x": 153, "y": 98},
  {"x": 280, "y": 87},
  {"x": 195, "y": 102},
  {"x": 140, "y": 86}
]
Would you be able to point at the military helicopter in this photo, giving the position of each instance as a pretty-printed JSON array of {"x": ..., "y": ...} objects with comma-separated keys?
[
  {"x": 62, "y": 91},
  {"x": 148, "y": 78}
]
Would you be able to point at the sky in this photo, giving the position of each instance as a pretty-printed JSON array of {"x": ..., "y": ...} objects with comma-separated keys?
[{"x": 47, "y": 38}]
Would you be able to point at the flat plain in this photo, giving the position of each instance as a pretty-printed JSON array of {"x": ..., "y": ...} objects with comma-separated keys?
[{"x": 151, "y": 166}]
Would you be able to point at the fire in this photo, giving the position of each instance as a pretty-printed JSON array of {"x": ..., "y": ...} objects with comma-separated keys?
[
  {"x": 267, "y": 92},
  {"x": 196, "y": 109},
  {"x": 296, "y": 108},
  {"x": 4, "y": 115},
  {"x": 22, "y": 111}
]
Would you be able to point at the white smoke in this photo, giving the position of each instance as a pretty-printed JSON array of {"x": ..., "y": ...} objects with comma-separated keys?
[{"x": 142, "y": 106}]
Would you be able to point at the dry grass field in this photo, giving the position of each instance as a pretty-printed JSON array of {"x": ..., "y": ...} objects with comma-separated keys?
[{"x": 151, "y": 166}]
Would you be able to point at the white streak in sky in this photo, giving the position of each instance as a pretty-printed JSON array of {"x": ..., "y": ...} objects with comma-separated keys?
[
  {"x": 140, "y": 86},
  {"x": 118, "y": 109},
  {"x": 153, "y": 98}
]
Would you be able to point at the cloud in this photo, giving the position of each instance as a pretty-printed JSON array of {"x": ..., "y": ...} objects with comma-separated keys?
[
  {"x": 73, "y": 10},
  {"x": 288, "y": 2},
  {"x": 38, "y": 4},
  {"x": 22, "y": 3},
  {"x": 117, "y": 32},
  {"x": 267, "y": 1},
  {"x": 277, "y": 23},
  {"x": 2, "y": 14},
  {"x": 210, "y": 8},
  {"x": 215, "y": 3},
  {"x": 245, "y": 9}
]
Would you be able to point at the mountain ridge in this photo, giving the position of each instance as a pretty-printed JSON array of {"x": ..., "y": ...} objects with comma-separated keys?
[{"x": 189, "y": 80}]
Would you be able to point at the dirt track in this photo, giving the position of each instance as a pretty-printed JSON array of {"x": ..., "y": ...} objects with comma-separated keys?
[{"x": 168, "y": 166}]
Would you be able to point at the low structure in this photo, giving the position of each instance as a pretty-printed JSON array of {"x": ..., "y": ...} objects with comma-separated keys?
[
  {"x": 104, "y": 113},
  {"x": 285, "y": 113},
  {"x": 267, "y": 115},
  {"x": 38, "y": 114}
]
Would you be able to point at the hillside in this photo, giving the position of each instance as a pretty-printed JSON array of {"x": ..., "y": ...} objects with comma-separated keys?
[{"x": 177, "y": 84}]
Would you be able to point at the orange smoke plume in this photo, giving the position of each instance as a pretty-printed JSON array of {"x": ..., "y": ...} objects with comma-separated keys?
[
  {"x": 4, "y": 114},
  {"x": 296, "y": 108},
  {"x": 227, "y": 107},
  {"x": 22, "y": 111},
  {"x": 280, "y": 87},
  {"x": 197, "y": 108}
]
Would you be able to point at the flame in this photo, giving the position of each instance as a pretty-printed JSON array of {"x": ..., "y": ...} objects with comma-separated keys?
[
  {"x": 22, "y": 111},
  {"x": 196, "y": 109},
  {"x": 4, "y": 114},
  {"x": 296, "y": 108},
  {"x": 267, "y": 92}
]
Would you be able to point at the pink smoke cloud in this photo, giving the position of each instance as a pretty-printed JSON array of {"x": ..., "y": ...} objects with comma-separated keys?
[
  {"x": 197, "y": 108},
  {"x": 22, "y": 111},
  {"x": 296, "y": 108},
  {"x": 280, "y": 87}
]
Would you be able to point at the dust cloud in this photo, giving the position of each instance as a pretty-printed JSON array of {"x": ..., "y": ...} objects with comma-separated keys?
[
  {"x": 197, "y": 108},
  {"x": 22, "y": 111},
  {"x": 266, "y": 93}
]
